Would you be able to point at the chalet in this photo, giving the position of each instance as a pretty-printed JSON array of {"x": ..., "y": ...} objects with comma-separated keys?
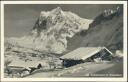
[
  {"x": 86, "y": 54},
  {"x": 23, "y": 64},
  {"x": 24, "y": 68}
]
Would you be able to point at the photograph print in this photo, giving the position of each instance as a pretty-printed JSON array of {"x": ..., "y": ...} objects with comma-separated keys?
[{"x": 63, "y": 40}]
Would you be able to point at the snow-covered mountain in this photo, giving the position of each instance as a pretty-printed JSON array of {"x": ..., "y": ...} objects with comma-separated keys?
[
  {"x": 51, "y": 31},
  {"x": 57, "y": 31}
]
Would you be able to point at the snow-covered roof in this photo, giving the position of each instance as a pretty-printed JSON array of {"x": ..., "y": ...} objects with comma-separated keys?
[
  {"x": 20, "y": 63},
  {"x": 82, "y": 53}
]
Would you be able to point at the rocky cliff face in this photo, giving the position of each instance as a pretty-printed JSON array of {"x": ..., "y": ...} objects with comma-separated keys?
[{"x": 106, "y": 30}]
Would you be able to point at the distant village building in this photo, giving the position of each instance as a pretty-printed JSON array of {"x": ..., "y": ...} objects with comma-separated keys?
[{"x": 86, "y": 54}]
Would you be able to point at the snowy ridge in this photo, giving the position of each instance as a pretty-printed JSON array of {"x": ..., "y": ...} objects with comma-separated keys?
[{"x": 104, "y": 31}]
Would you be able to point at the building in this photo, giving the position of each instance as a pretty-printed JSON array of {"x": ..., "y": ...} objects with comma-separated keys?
[
  {"x": 24, "y": 68},
  {"x": 86, "y": 54},
  {"x": 22, "y": 64}
]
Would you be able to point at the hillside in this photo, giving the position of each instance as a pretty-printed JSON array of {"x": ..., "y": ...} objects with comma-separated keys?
[{"x": 106, "y": 30}]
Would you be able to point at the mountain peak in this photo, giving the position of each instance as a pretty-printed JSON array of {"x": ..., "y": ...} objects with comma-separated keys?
[{"x": 57, "y": 10}]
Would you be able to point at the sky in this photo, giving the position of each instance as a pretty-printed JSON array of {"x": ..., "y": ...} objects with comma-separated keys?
[{"x": 19, "y": 19}]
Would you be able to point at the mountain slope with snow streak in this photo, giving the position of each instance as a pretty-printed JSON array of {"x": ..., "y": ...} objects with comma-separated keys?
[{"x": 106, "y": 30}]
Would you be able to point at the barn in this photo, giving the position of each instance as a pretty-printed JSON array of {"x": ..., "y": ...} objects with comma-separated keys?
[{"x": 86, "y": 54}]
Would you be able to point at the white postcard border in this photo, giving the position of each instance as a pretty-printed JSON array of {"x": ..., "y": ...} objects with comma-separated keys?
[{"x": 124, "y": 78}]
